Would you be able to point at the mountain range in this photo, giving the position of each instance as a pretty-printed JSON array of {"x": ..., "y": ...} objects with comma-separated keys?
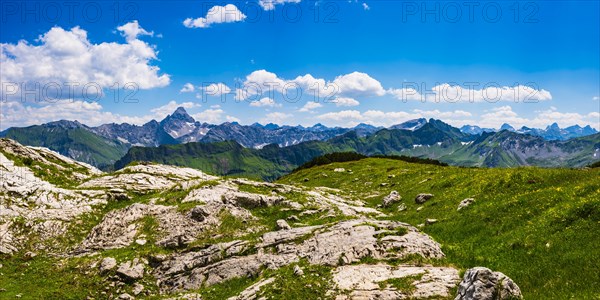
[
  {"x": 435, "y": 140},
  {"x": 106, "y": 144},
  {"x": 552, "y": 132}
]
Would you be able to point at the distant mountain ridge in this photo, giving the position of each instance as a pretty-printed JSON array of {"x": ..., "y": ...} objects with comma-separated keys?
[
  {"x": 103, "y": 145},
  {"x": 435, "y": 140},
  {"x": 551, "y": 132}
]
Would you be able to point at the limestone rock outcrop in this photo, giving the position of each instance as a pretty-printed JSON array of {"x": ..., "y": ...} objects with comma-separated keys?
[{"x": 484, "y": 284}]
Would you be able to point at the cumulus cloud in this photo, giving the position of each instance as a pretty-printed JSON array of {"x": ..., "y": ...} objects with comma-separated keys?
[
  {"x": 357, "y": 83},
  {"x": 68, "y": 58},
  {"x": 504, "y": 114},
  {"x": 344, "y": 117},
  {"x": 493, "y": 118},
  {"x": 265, "y": 102},
  {"x": 232, "y": 119},
  {"x": 365, "y": 6},
  {"x": 187, "y": 88},
  {"x": 455, "y": 93},
  {"x": 270, "y": 4},
  {"x": 261, "y": 82},
  {"x": 161, "y": 112},
  {"x": 214, "y": 116},
  {"x": 209, "y": 115},
  {"x": 354, "y": 84},
  {"x": 132, "y": 30},
  {"x": 405, "y": 94},
  {"x": 443, "y": 114},
  {"x": 310, "y": 106},
  {"x": 350, "y": 118},
  {"x": 217, "y": 14},
  {"x": 344, "y": 101}
]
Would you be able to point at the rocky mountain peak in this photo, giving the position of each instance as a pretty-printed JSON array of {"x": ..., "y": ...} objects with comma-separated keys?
[
  {"x": 553, "y": 126},
  {"x": 180, "y": 114},
  {"x": 66, "y": 124},
  {"x": 507, "y": 126},
  {"x": 179, "y": 123},
  {"x": 412, "y": 124}
]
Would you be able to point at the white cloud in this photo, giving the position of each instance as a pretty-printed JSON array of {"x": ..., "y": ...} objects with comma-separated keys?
[
  {"x": 344, "y": 117},
  {"x": 350, "y": 118},
  {"x": 275, "y": 117},
  {"x": 314, "y": 86},
  {"x": 187, "y": 88},
  {"x": 265, "y": 102},
  {"x": 344, "y": 101},
  {"x": 161, "y": 112},
  {"x": 210, "y": 115},
  {"x": 217, "y": 14},
  {"x": 262, "y": 81},
  {"x": 366, "y": 6},
  {"x": 232, "y": 119},
  {"x": 310, "y": 106},
  {"x": 596, "y": 98},
  {"x": 455, "y": 93},
  {"x": 443, "y": 114},
  {"x": 405, "y": 94},
  {"x": 265, "y": 79},
  {"x": 270, "y": 4},
  {"x": 132, "y": 30},
  {"x": 358, "y": 84},
  {"x": 68, "y": 56},
  {"x": 504, "y": 114},
  {"x": 214, "y": 115}
]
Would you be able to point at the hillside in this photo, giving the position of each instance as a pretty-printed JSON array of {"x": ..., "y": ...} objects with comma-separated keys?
[
  {"x": 538, "y": 226},
  {"x": 71, "y": 139},
  {"x": 509, "y": 149},
  {"x": 69, "y": 231},
  {"x": 230, "y": 158}
]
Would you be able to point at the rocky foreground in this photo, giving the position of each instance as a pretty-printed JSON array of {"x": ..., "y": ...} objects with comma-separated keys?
[{"x": 155, "y": 231}]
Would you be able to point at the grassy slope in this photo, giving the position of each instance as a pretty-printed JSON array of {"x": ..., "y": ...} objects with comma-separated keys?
[
  {"x": 84, "y": 145},
  {"x": 539, "y": 226},
  {"x": 229, "y": 158}
]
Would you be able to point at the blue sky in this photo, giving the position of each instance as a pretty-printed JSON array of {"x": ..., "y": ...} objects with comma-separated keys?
[{"x": 375, "y": 60}]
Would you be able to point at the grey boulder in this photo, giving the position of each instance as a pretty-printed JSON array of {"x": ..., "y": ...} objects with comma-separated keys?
[{"x": 483, "y": 284}]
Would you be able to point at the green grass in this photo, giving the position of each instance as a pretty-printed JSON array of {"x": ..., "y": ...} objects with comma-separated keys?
[
  {"x": 47, "y": 278},
  {"x": 227, "y": 289},
  {"x": 404, "y": 284},
  {"x": 86, "y": 146},
  {"x": 314, "y": 284},
  {"x": 538, "y": 226}
]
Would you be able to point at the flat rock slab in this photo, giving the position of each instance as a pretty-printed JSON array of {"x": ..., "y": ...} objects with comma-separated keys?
[{"x": 368, "y": 281}]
